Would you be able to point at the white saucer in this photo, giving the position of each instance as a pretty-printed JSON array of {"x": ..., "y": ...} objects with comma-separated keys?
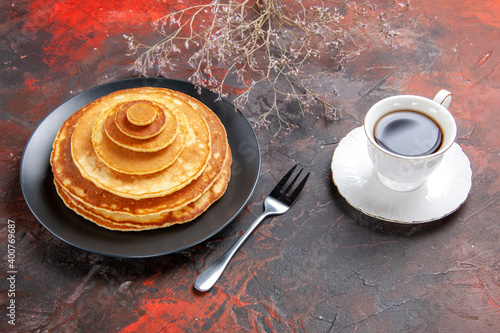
[{"x": 444, "y": 192}]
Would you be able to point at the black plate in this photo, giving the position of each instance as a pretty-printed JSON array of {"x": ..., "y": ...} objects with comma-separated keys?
[{"x": 41, "y": 196}]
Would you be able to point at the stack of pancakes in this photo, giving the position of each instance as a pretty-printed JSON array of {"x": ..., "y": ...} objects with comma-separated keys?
[{"x": 140, "y": 159}]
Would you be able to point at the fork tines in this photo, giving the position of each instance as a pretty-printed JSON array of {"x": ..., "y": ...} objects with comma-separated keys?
[{"x": 284, "y": 194}]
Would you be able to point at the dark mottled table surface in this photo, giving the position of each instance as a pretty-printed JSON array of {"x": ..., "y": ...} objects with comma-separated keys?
[{"x": 323, "y": 266}]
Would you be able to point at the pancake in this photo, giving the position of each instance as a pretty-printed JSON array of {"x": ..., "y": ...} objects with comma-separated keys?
[
  {"x": 165, "y": 219},
  {"x": 189, "y": 165},
  {"x": 124, "y": 160},
  {"x": 157, "y": 142},
  {"x": 142, "y": 113},
  {"x": 141, "y": 119},
  {"x": 73, "y": 205},
  {"x": 116, "y": 211},
  {"x": 85, "y": 191}
]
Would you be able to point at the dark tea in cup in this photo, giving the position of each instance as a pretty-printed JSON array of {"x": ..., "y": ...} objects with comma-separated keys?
[{"x": 408, "y": 133}]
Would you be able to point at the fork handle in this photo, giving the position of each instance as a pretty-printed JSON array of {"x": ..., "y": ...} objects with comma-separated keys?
[{"x": 207, "y": 279}]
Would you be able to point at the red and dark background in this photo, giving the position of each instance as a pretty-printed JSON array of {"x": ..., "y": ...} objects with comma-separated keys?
[{"x": 323, "y": 266}]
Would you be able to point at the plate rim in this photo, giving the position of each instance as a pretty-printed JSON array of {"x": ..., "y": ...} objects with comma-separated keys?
[{"x": 61, "y": 113}]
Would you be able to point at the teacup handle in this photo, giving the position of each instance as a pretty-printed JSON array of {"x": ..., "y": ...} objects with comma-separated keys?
[{"x": 444, "y": 98}]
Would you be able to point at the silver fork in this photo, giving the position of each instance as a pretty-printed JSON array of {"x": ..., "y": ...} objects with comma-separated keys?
[{"x": 278, "y": 202}]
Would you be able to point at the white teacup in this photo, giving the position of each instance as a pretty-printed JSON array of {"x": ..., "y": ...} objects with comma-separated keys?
[{"x": 406, "y": 173}]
